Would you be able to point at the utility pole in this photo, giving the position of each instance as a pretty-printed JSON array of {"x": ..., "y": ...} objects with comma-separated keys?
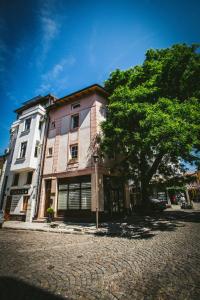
[{"x": 96, "y": 159}]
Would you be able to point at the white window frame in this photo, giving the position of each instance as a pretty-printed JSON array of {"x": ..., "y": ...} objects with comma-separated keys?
[
  {"x": 72, "y": 122},
  {"x": 71, "y": 151},
  {"x": 50, "y": 154},
  {"x": 20, "y": 154},
  {"x": 26, "y": 129},
  {"x": 75, "y": 106}
]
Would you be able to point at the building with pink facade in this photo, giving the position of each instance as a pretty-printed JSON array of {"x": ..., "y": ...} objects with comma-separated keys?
[{"x": 68, "y": 173}]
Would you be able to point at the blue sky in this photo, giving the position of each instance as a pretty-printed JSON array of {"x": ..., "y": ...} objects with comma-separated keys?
[{"x": 61, "y": 46}]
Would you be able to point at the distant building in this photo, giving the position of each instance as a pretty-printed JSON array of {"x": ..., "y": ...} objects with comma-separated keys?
[
  {"x": 2, "y": 161},
  {"x": 3, "y": 165},
  {"x": 194, "y": 186},
  {"x": 22, "y": 171}
]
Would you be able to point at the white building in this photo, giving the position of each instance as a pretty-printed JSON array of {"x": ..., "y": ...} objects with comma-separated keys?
[{"x": 21, "y": 179}]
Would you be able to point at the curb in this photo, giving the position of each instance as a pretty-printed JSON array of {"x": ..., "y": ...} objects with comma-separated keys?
[{"x": 50, "y": 230}]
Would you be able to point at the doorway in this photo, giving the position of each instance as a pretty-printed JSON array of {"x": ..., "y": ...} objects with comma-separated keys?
[
  {"x": 113, "y": 196},
  {"x": 7, "y": 208},
  {"x": 48, "y": 200}
]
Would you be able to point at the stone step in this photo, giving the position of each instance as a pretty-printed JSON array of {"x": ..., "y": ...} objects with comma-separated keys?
[{"x": 40, "y": 220}]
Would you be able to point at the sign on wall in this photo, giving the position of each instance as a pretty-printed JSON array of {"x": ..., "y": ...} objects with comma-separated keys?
[{"x": 19, "y": 192}]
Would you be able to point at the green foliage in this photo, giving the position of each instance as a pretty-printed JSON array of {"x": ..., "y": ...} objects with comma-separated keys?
[
  {"x": 50, "y": 210},
  {"x": 153, "y": 113}
]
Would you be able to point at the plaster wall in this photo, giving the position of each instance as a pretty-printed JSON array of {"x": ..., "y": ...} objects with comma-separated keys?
[
  {"x": 61, "y": 137},
  {"x": 31, "y": 137}
]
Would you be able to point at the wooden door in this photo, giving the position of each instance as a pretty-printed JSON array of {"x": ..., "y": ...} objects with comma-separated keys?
[
  {"x": 25, "y": 203},
  {"x": 48, "y": 200},
  {"x": 7, "y": 208}
]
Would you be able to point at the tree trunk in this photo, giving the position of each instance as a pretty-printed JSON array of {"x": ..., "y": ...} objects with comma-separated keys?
[
  {"x": 144, "y": 192},
  {"x": 146, "y": 176}
]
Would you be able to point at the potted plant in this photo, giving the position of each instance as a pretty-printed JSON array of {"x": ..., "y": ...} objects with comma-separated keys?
[{"x": 50, "y": 214}]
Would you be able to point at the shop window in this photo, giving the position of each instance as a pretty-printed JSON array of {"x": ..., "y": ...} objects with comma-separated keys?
[
  {"x": 29, "y": 177},
  {"x": 74, "y": 196},
  {"x": 15, "y": 179},
  {"x": 74, "y": 121},
  {"x": 27, "y": 124},
  {"x": 23, "y": 150}
]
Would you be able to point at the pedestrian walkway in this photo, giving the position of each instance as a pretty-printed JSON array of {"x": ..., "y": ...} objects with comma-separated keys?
[
  {"x": 58, "y": 227},
  {"x": 133, "y": 225}
]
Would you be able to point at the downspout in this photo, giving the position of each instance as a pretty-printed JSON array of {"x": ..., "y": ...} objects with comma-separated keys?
[{"x": 41, "y": 168}]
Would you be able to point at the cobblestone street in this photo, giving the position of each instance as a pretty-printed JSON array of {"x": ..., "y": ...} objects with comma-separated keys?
[{"x": 162, "y": 261}]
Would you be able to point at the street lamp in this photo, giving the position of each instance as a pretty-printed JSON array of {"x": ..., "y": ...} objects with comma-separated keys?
[{"x": 96, "y": 159}]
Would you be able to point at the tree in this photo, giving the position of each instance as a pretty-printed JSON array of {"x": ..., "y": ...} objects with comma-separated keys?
[{"x": 153, "y": 114}]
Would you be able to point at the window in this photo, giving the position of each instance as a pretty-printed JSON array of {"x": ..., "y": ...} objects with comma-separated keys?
[
  {"x": 53, "y": 125},
  {"x": 74, "y": 195},
  {"x": 75, "y": 106},
  {"x": 37, "y": 148},
  {"x": 25, "y": 203},
  {"x": 50, "y": 151},
  {"x": 74, "y": 151},
  {"x": 75, "y": 121},
  {"x": 40, "y": 125},
  {"x": 15, "y": 179},
  {"x": 29, "y": 177},
  {"x": 23, "y": 149},
  {"x": 27, "y": 124}
]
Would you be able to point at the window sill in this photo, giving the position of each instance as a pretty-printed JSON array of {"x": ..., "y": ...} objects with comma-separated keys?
[
  {"x": 72, "y": 161},
  {"x": 49, "y": 156},
  {"x": 74, "y": 129},
  {"x": 20, "y": 159},
  {"x": 24, "y": 132}
]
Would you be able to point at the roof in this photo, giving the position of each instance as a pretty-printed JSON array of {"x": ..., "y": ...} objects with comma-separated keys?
[
  {"x": 80, "y": 93},
  {"x": 32, "y": 102}
]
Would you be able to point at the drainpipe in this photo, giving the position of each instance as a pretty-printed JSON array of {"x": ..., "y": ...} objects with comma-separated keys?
[{"x": 41, "y": 168}]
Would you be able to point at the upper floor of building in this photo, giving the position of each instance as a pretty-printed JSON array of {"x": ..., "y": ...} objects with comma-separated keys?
[
  {"x": 74, "y": 121},
  {"x": 27, "y": 134}
]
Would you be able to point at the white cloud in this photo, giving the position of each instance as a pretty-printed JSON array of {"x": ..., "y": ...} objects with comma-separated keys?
[
  {"x": 56, "y": 79},
  {"x": 44, "y": 88},
  {"x": 59, "y": 68},
  {"x": 50, "y": 27}
]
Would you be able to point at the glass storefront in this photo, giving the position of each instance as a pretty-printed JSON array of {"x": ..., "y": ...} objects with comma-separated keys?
[{"x": 75, "y": 193}]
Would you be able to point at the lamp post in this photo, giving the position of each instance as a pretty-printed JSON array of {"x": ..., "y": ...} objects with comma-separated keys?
[{"x": 96, "y": 159}]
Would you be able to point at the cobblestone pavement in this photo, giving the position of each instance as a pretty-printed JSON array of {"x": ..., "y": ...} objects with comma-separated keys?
[{"x": 163, "y": 263}]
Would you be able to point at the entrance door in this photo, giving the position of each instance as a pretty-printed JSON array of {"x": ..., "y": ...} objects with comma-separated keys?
[
  {"x": 25, "y": 203},
  {"x": 48, "y": 200},
  {"x": 7, "y": 208},
  {"x": 113, "y": 196}
]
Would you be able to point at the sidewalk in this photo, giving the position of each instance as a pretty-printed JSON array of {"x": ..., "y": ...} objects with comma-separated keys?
[
  {"x": 57, "y": 227},
  {"x": 135, "y": 223}
]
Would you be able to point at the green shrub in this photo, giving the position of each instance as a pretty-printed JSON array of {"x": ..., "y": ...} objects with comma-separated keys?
[{"x": 50, "y": 210}]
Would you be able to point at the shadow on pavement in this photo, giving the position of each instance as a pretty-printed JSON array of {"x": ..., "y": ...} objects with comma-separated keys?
[
  {"x": 15, "y": 289},
  {"x": 146, "y": 226}
]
